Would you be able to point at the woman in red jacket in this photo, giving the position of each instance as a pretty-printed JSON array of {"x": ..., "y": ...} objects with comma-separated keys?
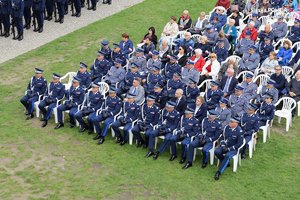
[{"x": 198, "y": 59}]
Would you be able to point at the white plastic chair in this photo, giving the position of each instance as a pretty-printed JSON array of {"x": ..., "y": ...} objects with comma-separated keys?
[
  {"x": 131, "y": 53},
  {"x": 36, "y": 105},
  {"x": 206, "y": 84},
  {"x": 103, "y": 89},
  {"x": 68, "y": 76},
  {"x": 287, "y": 72},
  {"x": 296, "y": 45},
  {"x": 289, "y": 105},
  {"x": 252, "y": 144},
  {"x": 298, "y": 105},
  {"x": 266, "y": 130},
  {"x": 263, "y": 79},
  {"x": 196, "y": 37},
  {"x": 211, "y": 152},
  {"x": 279, "y": 44}
]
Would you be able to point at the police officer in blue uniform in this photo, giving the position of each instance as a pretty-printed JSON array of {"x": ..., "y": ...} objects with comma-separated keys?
[
  {"x": 100, "y": 67},
  {"x": 250, "y": 88},
  {"x": 191, "y": 90},
  {"x": 210, "y": 132},
  {"x": 238, "y": 102},
  {"x": 294, "y": 34},
  {"x": 129, "y": 114},
  {"x": 106, "y": 49},
  {"x": 269, "y": 88},
  {"x": 5, "y": 9},
  {"x": 172, "y": 67},
  {"x": 60, "y": 4},
  {"x": 111, "y": 107},
  {"x": 84, "y": 76},
  {"x": 213, "y": 95},
  {"x": 77, "y": 5},
  {"x": 17, "y": 12},
  {"x": 174, "y": 84},
  {"x": 231, "y": 139},
  {"x": 37, "y": 86},
  {"x": 50, "y": 5},
  {"x": 161, "y": 96},
  {"x": 168, "y": 122},
  {"x": 224, "y": 112},
  {"x": 154, "y": 60},
  {"x": 38, "y": 8},
  {"x": 266, "y": 110},
  {"x": 92, "y": 102},
  {"x": 221, "y": 51},
  {"x": 244, "y": 44},
  {"x": 125, "y": 85},
  {"x": 149, "y": 116},
  {"x": 27, "y": 13},
  {"x": 55, "y": 92},
  {"x": 153, "y": 78},
  {"x": 117, "y": 53},
  {"x": 75, "y": 97},
  {"x": 265, "y": 48},
  {"x": 250, "y": 125},
  {"x": 140, "y": 61}
]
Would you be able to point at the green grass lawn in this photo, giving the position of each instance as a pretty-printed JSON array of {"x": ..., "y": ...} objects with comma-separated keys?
[{"x": 38, "y": 163}]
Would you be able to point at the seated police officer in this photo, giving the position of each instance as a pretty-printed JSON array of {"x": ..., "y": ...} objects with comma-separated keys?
[
  {"x": 128, "y": 116},
  {"x": 125, "y": 85},
  {"x": 84, "y": 76},
  {"x": 160, "y": 94},
  {"x": 149, "y": 116},
  {"x": 153, "y": 78},
  {"x": 37, "y": 86},
  {"x": 111, "y": 107},
  {"x": 75, "y": 97},
  {"x": 250, "y": 125},
  {"x": 231, "y": 139},
  {"x": 210, "y": 131},
  {"x": 100, "y": 67},
  {"x": 174, "y": 84},
  {"x": 224, "y": 112},
  {"x": 168, "y": 121},
  {"x": 93, "y": 101},
  {"x": 266, "y": 110},
  {"x": 213, "y": 95},
  {"x": 55, "y": 92},
  {"x": 238, "y": 102},
  {"x": 191, "y": 90}
]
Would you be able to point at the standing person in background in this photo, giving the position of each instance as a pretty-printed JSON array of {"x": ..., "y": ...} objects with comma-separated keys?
[
  {"x": 38, "y": 8},
  {"x": 17, "y": 17}
]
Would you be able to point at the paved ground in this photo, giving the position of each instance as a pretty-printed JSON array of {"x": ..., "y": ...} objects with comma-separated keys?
[{"x": 10, "y": 48}]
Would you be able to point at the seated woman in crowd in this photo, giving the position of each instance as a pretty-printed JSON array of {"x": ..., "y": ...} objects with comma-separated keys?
[
  {"x": 230, "y": 32},
  {"x": 285, "y": 53},
  {"x": 182, "y": 57},
  {"x": 151, "y": 35},
  {"x": 204, "y": 46},
  {"x": 268, "y": 66},
  {"x": 236, "y": 16},
  {"x": 185, "y": 21},
  {"x": 164, "y": 51},
  {"x": 170, "y": 29},
  {"x": 198, "y": 60},
  {"x": 199, "y": 24},
  {"x": 211, "y": 68}
]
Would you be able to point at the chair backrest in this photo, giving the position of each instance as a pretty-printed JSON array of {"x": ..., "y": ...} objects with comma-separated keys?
[
  {"x": 287, "y": 72},
  {"x": 104, "y": 87},
  {"x": 262, "y": 78},
  {"x": 243, "y": 74},
  {"x": 181, "y": 34},
  {"x": 131, "y": 53},
  {"x": 279, "y": 43},
  {"x": 206, "y": 84},
  {"x": 296, "y": 46},
  {"x": 69, "y": 77},
  {"x": 288, "y": 103},
  {"x": 264, "y": 20},
  {"x": 196, "y": 37}
]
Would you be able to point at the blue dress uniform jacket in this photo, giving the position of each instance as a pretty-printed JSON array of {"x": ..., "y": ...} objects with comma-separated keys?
[
  {"x": 107, "y": 53},
  {"x": 17, "y": 8},
  {"x": 232, "y": 138},
  {"x": 6, "y": 7},
  {"x": 212, "y": 98},
  {"x": 211, "y": 129},
  {"x": 129, "y": 77},
  {"x": 188, "y": 74},
  {"x": 263, "y": 34},
  {"x": 126, "y": 47},
  {"x": 115, "y": 55},
  {"x": 170, "y": 69},
  {"x": 75, "y": 95},
  {"x": 100, "y": 69},
  {"x": 250, "y": 89},
  {"x": 238, "y": 105},
  {"x": 37, "y": 85},
  {"x": 279, "y": 29},
  {"x": 249, "y": 124},
  {"x": 55, "y": 91},
  {"x": 273, "y": 91},
  {"x": 266, "y": 112},
  {"x": 148, "y": 48},
  {"x": 249, "y": 61},
  {"x": 161, "y": 98},
  {"x": 224, "y": 115},
  {"x": 172, "y": 86},
  {"x": 264, "y": 50},
  {"x": 243, "y": 45},
  {"x": 38, "y": 5},
  {"x": 169, "y": 119},
  {"x": 131, "y": 111},
  {"x": 222, "y": 53},
  {"x": 294, "y": 34},
  {"x": 191, "y": 93},
  {"x": 86, "y": 79},
  {"x": 151, "y": 63},
  {"x": 152, "y": 80},
  {"x": 112, "y": 105},
  {"x": 93, "y": 100},
  {"x": 115, "y": 75},
  {"x": 149, "y": 115},
  {"x": 141, "y": 63},
  {"x": 189, "y": 126}
]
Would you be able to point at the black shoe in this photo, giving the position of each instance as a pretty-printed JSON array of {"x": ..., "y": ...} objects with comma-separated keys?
[
  {"x": 7, "y": 34},
  {"x": 66, "y": 12},
  {"x": 82, "y": 129},
  {"x": 173, "y": 157},
  {"x": 29, "y": 116},
  {"x": 101, "y": 140},
  {"x": 182, "y": 161},
  {"x": 97, "y": 137},
  {"x": 35, "y": 30},
  {"x": 150, "y": 153},
  {"x": 41, "y": 30},
  {"x": 139, "y": 144},
  {"x": 15, "y": 37},
  {"x": 73, "y": 15},
  {"x": 57, "y": 20},
  {"x": 94, "y": 8},
  {"x": 204, "y": 165},
  {"x": 44, "y": 123},
  {"x": 187, "y": 165},
  {"x": 20, "y": 37},
  {"x": 78, "y": 14},
  {"x": 123, "y": 142},
  {"x": 90, "y": 132},
  {"x": 59, "y": 125},
  {"x": 243, "y": 156},
  {"x": 49, "y": 18},
  {"x": 90, "y": 8},
  {"x": 228, "y": 165},
  {"x": 118, "y": 140},
  {"x": 155, "y": 156},
  {"x": 61, "y": 21},
  {"x": 217, "y": 175},
  {"x": 72, "y": 125}
]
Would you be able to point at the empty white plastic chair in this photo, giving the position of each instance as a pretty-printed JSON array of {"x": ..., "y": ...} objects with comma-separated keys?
[
  {"x": 252, "y": 144},
  {"x": 262, "y": 79},
  {"x": 287, "y": 72},
  {"x": 266, "y": 130},
  {"x": 288, "y": 106}
]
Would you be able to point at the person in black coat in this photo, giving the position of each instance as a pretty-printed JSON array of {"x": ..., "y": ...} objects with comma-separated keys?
[
  {"x": 164, "y": 51},
  {"x": 17, "y": 13},
  {"x": 200, "y": 108},
  {"x": 228, "y": 82},
  {"x": 38, "y": 8},
  {"x": 151, "y": 35},
  {"x": 280, "y": 80},
  {"x": 204, "y": 46},
  {"x": 182, "y": 57},
  {"x": 180, "y": 101}
]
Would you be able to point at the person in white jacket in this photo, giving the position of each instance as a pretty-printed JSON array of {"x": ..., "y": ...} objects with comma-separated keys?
[{"x": 211, "y": 69}]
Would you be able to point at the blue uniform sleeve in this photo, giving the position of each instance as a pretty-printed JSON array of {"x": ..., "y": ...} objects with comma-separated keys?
[
  {"x": 238, "y": 143},
  {"x": 61, "y": 92}
]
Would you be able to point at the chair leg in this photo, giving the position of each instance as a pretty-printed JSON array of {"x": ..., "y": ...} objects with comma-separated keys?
[
  {"x": 112, "y": 132},
  {"x": 130, "y": 137},
  {"x": 235, "y": 163},
  {"x": 250, "y": 144},
  {"x": 37, "y": 110},
  {"x": 265, "y": 133},
  {"x": 156, "y": 139},
  {"x": 279, "y": 120},
  {"x": 287, "y": 126},
  {"x": 55, "y": 115},
  {"x": 195, "y": 151},
  {"x": 212, "y": 156}
]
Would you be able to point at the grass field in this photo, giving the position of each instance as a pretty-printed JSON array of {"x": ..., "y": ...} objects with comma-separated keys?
[{"x": 38, "y": 163}]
